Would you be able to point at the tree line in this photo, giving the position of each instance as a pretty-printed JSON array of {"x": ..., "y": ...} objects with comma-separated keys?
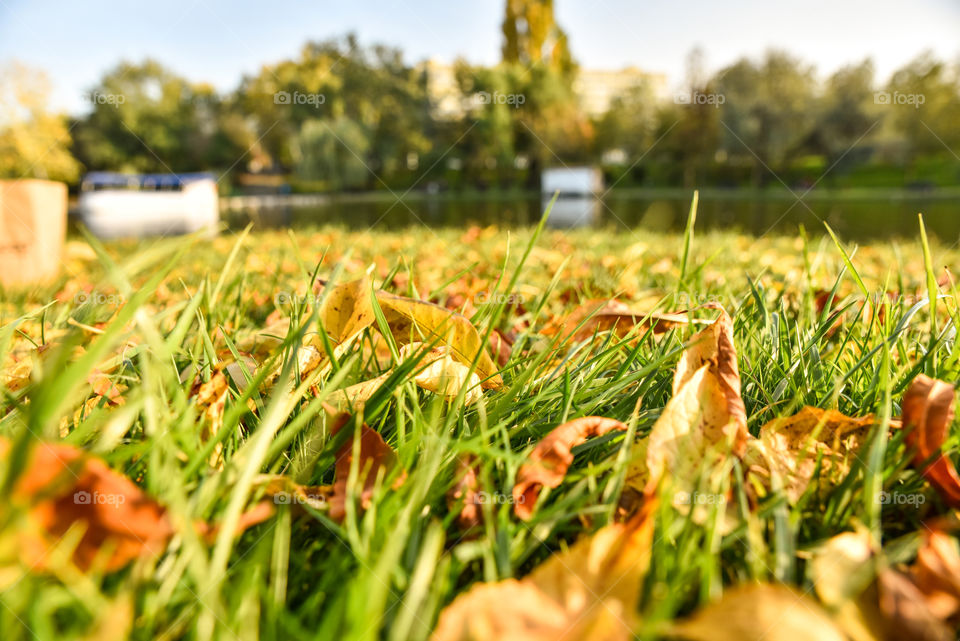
[{"x": 344, "y": 116}]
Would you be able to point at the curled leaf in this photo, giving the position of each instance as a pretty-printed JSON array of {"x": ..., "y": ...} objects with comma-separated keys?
[
  {"x": 928, "y": 410},
  {"x": 347, "y": 310},
  {"x": 552, "y": 456},
  {"x": 611, "y": 315},
  {"x": 705, "y": 417}
]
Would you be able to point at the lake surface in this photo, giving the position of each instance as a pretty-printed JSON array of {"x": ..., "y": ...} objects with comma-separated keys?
[{"x": 855, "y": 218}]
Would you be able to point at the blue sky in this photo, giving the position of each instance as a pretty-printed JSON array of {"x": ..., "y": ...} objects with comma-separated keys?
[{"x": 217, "y": 41}]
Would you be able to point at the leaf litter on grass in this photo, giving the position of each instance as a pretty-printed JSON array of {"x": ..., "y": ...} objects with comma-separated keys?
[{"x": 430, "y": 412}]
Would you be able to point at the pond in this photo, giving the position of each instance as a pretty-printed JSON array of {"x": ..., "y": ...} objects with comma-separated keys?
[{"x": 862, "y": 217}]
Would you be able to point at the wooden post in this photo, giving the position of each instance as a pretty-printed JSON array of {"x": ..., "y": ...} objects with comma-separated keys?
[{"x": 33, "y": 225}]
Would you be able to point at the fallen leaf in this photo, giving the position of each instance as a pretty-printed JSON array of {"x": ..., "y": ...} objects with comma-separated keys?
[
  {"x": 375, "y": 460},
  {"x": 552, "y": 456},
  {"x": 936, "y": 573},
  {"x": 464, "y": 494},
  {"x": 611, "y": 315},
  {"x": 706, "y": 413},
  {"x": 418, "y": 321},
  {"x": 345, "y": 313},
  {"x": 347, "y": 310},
  {"x": 435, "y": 371},
  {"x": 907, "y": 614},
  {"x": 758, "y": 612},
  {"x": 588, "y": 591},
  {"x": 927, "y": 413},
  {"x": 62, "y": 486},
  {"x": 789, "y": 448}
]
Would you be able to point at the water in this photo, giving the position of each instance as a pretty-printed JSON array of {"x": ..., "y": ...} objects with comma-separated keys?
[{"x": 863, "y": 218}]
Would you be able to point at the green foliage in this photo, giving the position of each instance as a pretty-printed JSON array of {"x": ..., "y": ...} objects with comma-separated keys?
[{"x": 34, "y": 143}]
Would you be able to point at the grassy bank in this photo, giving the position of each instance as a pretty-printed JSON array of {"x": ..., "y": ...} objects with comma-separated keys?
[{"x": 118, "y": 358}]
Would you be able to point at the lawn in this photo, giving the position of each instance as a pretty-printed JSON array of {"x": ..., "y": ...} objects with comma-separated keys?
[{"x": 190, "y": 452}]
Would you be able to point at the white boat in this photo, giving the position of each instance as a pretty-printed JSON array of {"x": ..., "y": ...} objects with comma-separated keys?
[
  {"x": 115, "y": 205},
  {"x": 571, "y": 181}
]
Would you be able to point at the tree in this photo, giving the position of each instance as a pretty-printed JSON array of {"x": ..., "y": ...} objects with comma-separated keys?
[
  {"x": 337, "y": 80},
  {"x": 532, "y": 36},
  {"x": 146, "y": 118},
  {"x": 923, "y": 100},
  {"x": 846, "y": 115},
  {"x": 332, "y": 152},
  {"x": 766, "y": 111},
  {"x": 34, "y": 143}
]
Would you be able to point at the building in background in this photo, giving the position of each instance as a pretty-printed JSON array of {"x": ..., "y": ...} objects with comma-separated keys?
[{"x": 596, "y": 88}]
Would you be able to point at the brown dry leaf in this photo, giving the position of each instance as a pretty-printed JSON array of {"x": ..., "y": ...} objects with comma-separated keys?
[
  {"x": 706, "y": 413},
  {"x": 937, "y": 574},
  {"x": 928, "y": 412},
  {"x": 789, "y": 448},
  {"x": 588, "y": 591},
  {"x": 64, "y": 487},
  {"x": 376, "y": 459},
  {"x": 611, "y": 314},
  {"x": 501, "y": 345},
  {"x": 760, "y": 611},
  {"x": 907, "y": 614},
  {"x": 550, "y": 459}
]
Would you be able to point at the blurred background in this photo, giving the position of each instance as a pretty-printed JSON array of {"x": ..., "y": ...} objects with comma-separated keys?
[{"x": 454, "y": 113}]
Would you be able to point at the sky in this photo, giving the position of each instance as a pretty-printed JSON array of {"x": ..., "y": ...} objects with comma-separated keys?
[{"x": 218, "y": 41}]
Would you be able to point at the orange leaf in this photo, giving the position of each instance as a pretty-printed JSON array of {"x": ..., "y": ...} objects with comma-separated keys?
[
  {"x": 552, "y": 457},
  {"x": 928, "y": 409},
  {"x": 64, "y": 486},
  {"x": 464, "y": 493},
  {"x": 375, "y": 458}
]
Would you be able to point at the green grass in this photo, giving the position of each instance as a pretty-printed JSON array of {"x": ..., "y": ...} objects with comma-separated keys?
[{"x": 387, "y": 572}]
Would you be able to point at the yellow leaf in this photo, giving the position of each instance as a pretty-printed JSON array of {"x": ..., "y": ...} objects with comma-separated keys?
[
  {"x": 789, "y": 447},
  {"x": 588, "y": 591},
  {"x": 347, "y": 310},
  {"x": 758, "y": 612},
  {"x": 415, "y": 320}
]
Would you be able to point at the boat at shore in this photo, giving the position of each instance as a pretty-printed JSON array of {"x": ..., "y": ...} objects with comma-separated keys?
[{"x": 114, "y": 205}]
